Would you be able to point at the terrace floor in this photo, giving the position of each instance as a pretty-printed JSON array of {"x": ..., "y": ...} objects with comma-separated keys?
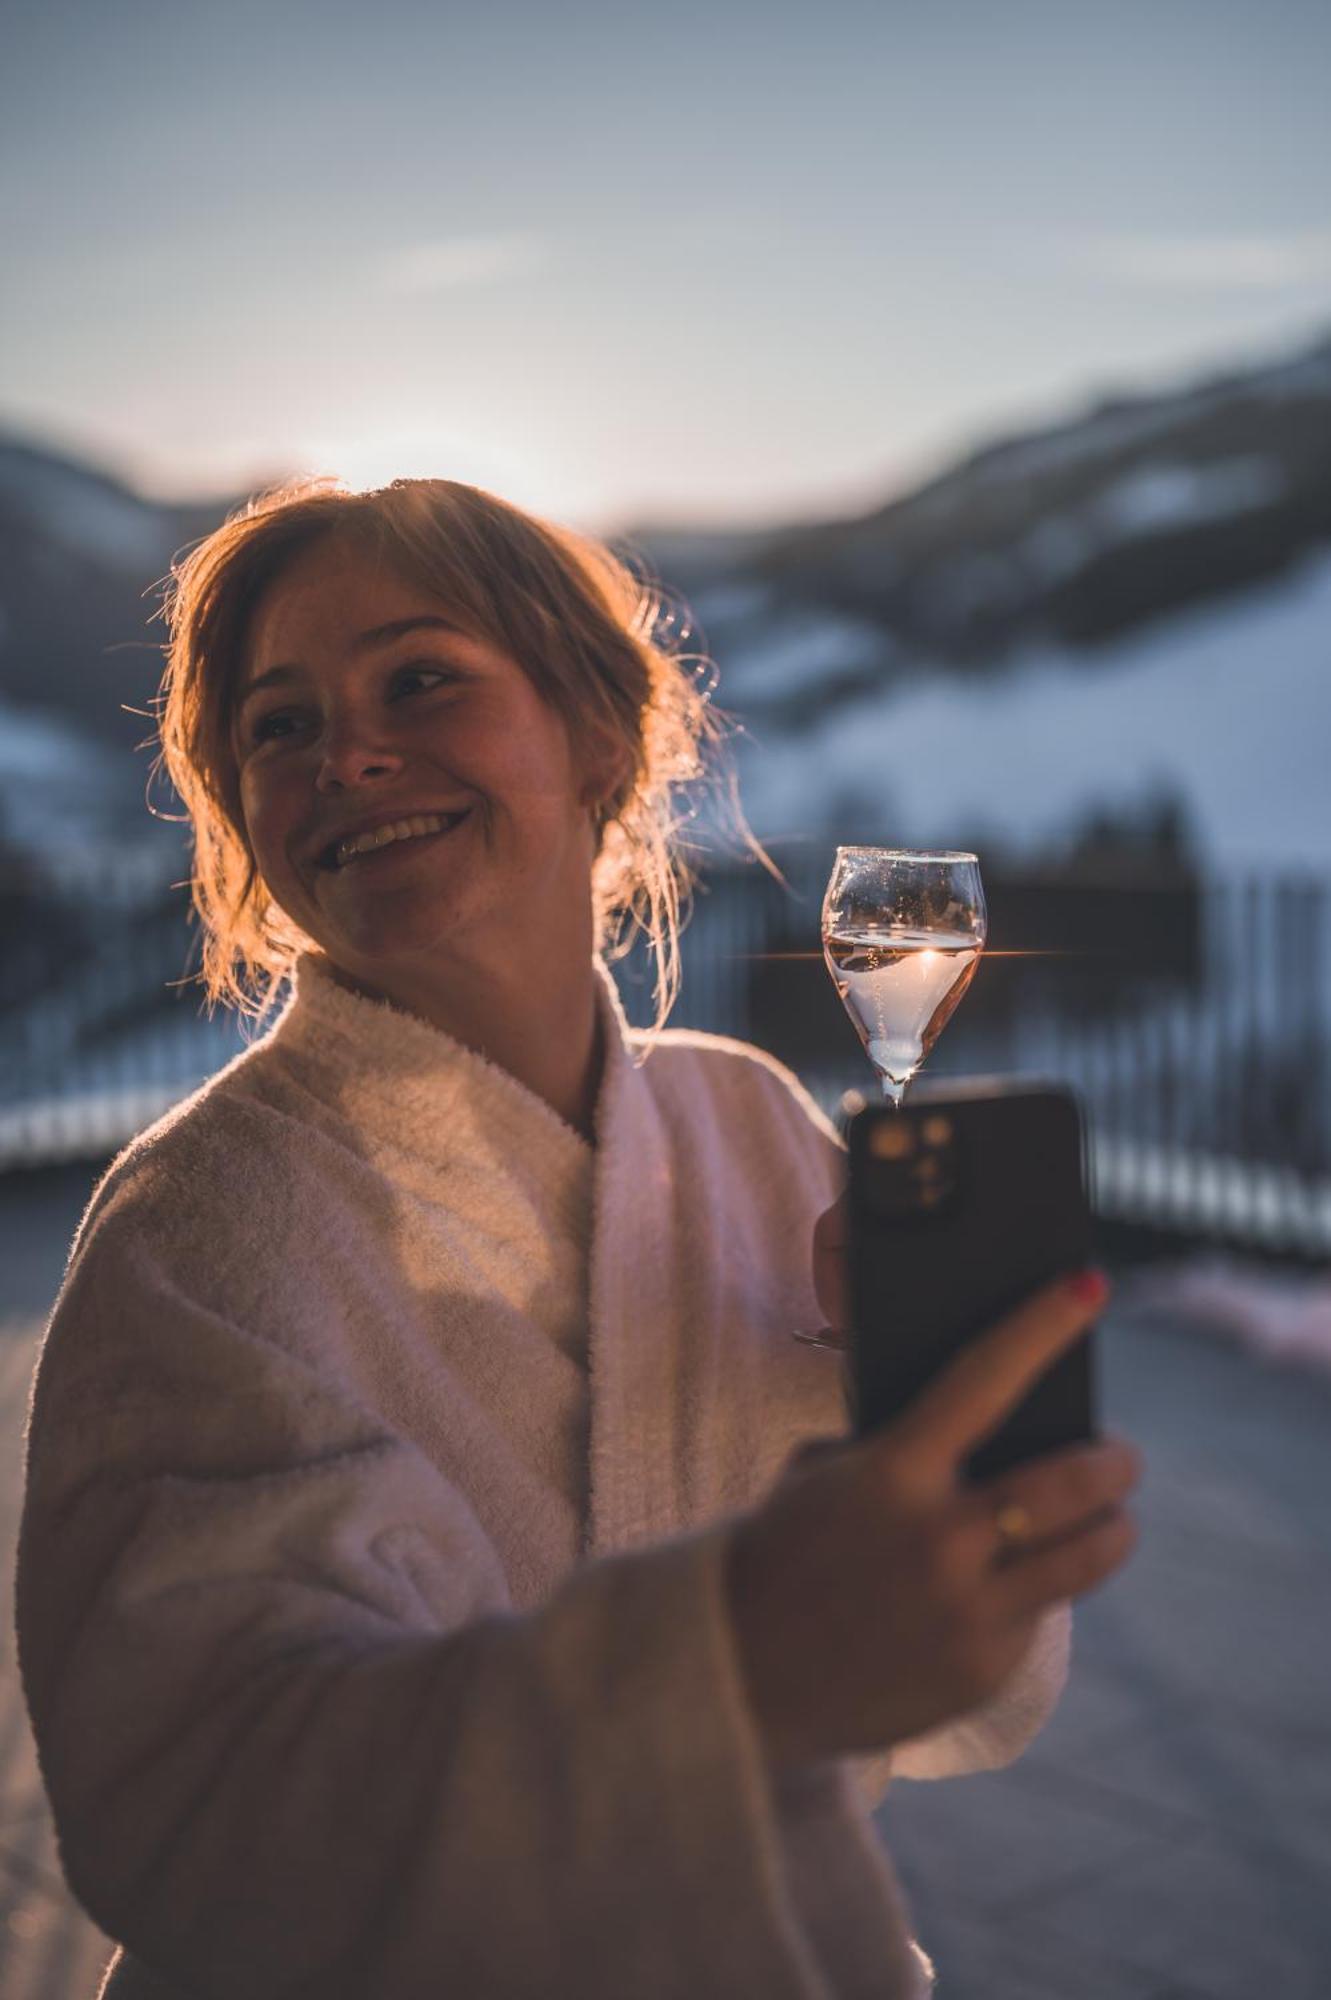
[{"x": 1168, "y": 1836}]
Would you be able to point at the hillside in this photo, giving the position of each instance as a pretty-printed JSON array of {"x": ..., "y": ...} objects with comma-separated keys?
[
  {"x": 1126, "y": 577},
  {"x": 80, "y": 552},
  {"x": 1077, "y": 536}
]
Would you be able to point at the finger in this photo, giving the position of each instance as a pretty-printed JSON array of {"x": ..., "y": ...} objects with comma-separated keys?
[
  {"x": 808, "y": 1454},
  {"x": 829, "y": 1262},
  {"x": 963, "y": 1404},
  {"x": 832, "y": 1229},
  {"x": 1058, "y": 1492},
  {"x": 1031, "y": 1583}
]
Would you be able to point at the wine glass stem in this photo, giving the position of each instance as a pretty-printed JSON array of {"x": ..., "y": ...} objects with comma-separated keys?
[{"x": 893, "y": 1090}]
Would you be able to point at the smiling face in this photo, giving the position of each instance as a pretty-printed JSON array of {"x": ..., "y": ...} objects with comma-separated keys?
[{"x": 360, "y": 703}]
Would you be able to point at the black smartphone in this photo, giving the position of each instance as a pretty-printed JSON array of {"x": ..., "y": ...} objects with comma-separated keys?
[{"x": 962, "y": 1203}]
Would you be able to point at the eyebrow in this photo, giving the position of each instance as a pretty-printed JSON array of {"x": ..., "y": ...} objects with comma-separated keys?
[{"x": 378, "y": 635}]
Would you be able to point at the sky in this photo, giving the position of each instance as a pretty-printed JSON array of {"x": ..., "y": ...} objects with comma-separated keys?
[{"x": 698, "y": 263}]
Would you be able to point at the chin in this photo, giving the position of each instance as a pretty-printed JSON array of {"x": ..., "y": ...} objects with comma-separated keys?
[{"x": 388, "y": 936}]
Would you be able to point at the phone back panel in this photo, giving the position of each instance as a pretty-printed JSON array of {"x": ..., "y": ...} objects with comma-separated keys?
[{"x": 961, "y": 1204}]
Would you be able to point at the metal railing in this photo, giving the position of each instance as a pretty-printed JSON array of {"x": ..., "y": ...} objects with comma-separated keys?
[{"x": 1194, "y": 1018}]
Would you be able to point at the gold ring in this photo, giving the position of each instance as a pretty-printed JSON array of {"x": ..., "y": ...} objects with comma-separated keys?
[{"x": 1013, "y": 1524}]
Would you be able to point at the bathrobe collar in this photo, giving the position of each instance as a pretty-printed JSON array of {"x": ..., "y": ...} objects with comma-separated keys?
[{"x": 411, "y": 1089}]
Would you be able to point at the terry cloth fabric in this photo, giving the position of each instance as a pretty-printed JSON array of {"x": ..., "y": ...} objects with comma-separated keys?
[{"x": 370, "y": 1583}]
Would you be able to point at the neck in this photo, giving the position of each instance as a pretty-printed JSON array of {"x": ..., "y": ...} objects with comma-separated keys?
[{"x": 548, "y": 1038}]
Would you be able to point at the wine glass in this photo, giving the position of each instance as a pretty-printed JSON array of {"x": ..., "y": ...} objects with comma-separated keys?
[{"x": 902, "y": 935}]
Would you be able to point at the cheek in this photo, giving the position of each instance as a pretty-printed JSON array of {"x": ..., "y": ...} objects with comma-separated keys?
[
  {"x": 541, "y": 770},
  {"x": 266, "y": 823}
]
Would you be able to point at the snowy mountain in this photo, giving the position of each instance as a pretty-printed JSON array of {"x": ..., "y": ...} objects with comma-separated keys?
[
  {"x": 1121, "y": 616},
  {"x": 1126, "y": 608},
  {"x": 1083, "y": 531},
  {"x": 1075, "y": 535},
  {"x": 79, "y": 554}
]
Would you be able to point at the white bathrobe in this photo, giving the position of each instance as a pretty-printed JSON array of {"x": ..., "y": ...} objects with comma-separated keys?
[{"x": 370, "y": 1586}]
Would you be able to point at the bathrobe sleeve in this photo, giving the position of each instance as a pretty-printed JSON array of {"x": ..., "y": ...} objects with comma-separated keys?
[
  {"x": 294, "y": 1740},
  {"x": 992, "y": 1735},
  {"x": 996, "y": 1733}
]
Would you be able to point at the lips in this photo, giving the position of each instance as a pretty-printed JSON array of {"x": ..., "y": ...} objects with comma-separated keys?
[{"x": 335, "y": 857}]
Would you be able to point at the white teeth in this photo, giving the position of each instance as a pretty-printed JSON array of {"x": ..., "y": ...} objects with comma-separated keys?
[{"x": 401, "y": 829}]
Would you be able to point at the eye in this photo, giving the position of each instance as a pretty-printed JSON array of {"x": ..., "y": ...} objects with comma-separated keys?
[
  {"x": 415, "y": 673},
  {"x": 264, "y": 727}
]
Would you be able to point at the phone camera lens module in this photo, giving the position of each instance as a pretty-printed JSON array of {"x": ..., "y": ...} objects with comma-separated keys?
[{"x": 894, "y": 1141}]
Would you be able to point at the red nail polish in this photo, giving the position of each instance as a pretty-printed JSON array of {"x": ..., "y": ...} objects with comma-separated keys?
[{"x": 1089, "y": 1286}]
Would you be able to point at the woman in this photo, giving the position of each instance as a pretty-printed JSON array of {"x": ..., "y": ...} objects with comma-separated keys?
[{"x": 410, "y": 1599}]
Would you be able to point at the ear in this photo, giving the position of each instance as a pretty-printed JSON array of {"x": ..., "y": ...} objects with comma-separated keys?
[{"x": 605, "y": 764}]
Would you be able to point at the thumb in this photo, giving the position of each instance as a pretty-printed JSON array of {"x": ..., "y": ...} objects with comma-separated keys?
[
  {"x": 830, "y": 1234},
  {"x": 812, "y": 1451}
]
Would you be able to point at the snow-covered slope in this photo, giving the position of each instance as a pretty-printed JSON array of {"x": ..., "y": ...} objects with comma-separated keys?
[
  {"x": 1227, "y": 711},
  {"x": 1078, "y": 533},
  {"x": 80, "y": 554},
  {"x": 1130, "y": 606},
  {"x": 1131, "y": 603},
  {"x": 1087, "y": 529},
  {"x": 82, "y": 510}
]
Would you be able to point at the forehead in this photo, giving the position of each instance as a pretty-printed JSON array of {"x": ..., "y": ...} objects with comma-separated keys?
[{"x": 324, "y": 601}]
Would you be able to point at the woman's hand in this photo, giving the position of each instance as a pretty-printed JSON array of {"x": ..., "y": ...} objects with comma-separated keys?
[
  {"x": 872, "y": 1593},
  {"x": 831, "y": 1235}
]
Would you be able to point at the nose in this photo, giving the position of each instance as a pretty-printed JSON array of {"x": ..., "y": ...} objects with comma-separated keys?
[{"x": 353, "y": 754}]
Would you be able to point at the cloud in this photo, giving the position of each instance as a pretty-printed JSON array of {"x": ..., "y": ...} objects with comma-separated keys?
[
  {"x": 1238, "y": 263},
  {"x": 462, "y": 263}
]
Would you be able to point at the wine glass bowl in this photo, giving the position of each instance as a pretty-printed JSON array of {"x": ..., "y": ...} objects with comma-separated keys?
[{"x": 903, "y": 930}]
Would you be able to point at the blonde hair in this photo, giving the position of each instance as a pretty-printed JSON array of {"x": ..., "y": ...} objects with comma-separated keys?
[{"x": 590, "y": 634}]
